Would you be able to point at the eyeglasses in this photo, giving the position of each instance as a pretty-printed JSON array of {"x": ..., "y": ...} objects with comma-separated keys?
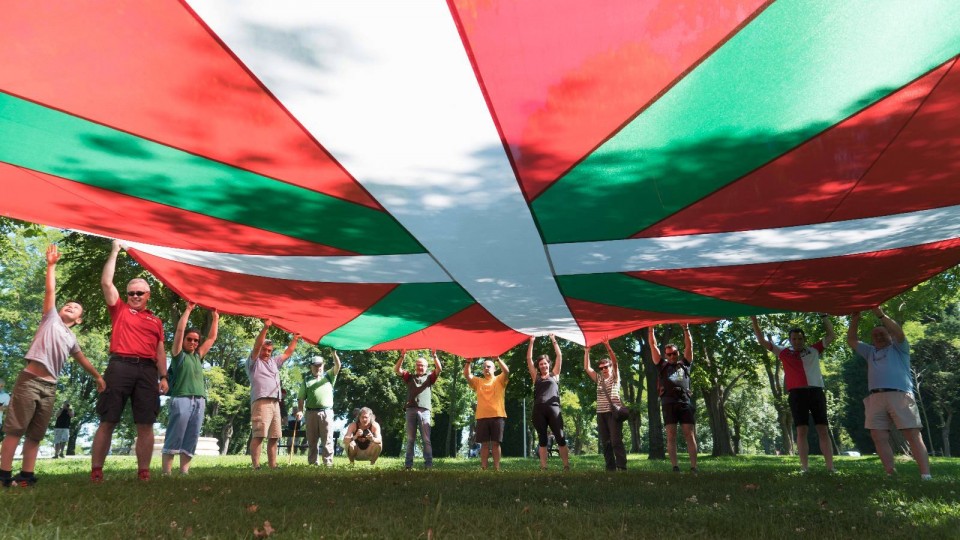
[
  {"x": 673, "y": 353},
  {"x": 137, "y": 293},
  {"x": 192, "y": 340}
]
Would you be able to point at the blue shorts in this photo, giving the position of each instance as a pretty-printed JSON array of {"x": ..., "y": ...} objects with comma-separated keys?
[{"x": 183, "y": 426}]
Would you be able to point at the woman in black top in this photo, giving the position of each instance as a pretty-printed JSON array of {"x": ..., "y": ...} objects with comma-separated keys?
[{"x": 546, "y": 402}]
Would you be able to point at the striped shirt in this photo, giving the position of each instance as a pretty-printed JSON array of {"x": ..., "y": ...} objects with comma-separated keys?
[{"x": 612, "y": 385}]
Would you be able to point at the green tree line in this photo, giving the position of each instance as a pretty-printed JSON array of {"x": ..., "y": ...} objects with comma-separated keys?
[{"x": 741, "y": 403}]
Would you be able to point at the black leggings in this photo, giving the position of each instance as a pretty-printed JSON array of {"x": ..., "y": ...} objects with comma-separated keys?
[{"x": 548, "y": 415}]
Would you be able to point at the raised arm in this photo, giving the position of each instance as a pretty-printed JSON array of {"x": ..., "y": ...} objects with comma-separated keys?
[
  {"x": 758, "y": 333},
  {"x": 292, "y": 346},
  {"x": 654, "y": 348},
  {"x": 613, "y": 358},
  {"x": 437, "y": 366},
  {"x": 586, "y": 363},
  {"x": 852, "y": 339},
  {"x": 258, "y": 343},
  {"x": 503, "y": 367},
  {"x": 466, "y": 369},
  {"x": 830, "y": 334},
  {"x": 181, "y": 328},
  {"x": 110, "y": 293},
  {"x": 336, "y": 364},
  {"x": 530, "y": 367},
  {"x": 687, "y": 344},
  {"x": 398, "y": 367},
  {"x": 50, "y": 296},
  {"x": 558, "y": 359},
  {"x": 890, "y": 324},
  {"x": 212, "y": 336}
]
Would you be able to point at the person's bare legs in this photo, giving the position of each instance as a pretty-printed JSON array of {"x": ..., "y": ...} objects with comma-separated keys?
[
  {"x": 542, "y": 452},
  {"x": 9, "y": 448},
  {"x": 672, "y": 443},
  {"x": 881, "y": 439},
  {"x": 144, "y": 445},
  {"x": 166, "y": 463},
  {"x": 101, "y": 443},
  {"x": 565, "y": 456},
  {"x": 185, "y": 463},
  {"x": 484, "y": 454},
  {"x": 913, "y": 437},
  {"x": 690, "y": 434},
  {"x": 826, "y": 447},
  {"x": 272, "y": 446},
  {"x": 496, "y": 455},
  {"x": 803, "y": 447},
  {"x": 255, "y": 444}
]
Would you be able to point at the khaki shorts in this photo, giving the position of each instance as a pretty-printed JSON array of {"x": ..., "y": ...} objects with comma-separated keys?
[
  {"x": 31, "y": 406},
  {"x": 884, "y": 410},
  {"x": 370, "y": 453},
  {"x": 265, "y": 419}
]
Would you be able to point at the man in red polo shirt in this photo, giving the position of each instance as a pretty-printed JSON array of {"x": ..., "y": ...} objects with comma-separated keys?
[{"x": 138, "y": 362}]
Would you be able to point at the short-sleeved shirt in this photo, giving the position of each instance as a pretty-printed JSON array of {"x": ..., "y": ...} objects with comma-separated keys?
[
  {"x": 801, "y": 369},
  {"x": 414, "y": 383},
  {"x": 673, "y": 381},
  {"x": 63, "y": 420},
  {"x": 264, "y": 377},
  {"x": 317, "y": 392},
  {"x": 135, "y": 333},
  {"x": 53, "y": 343},
  {"x": 186, "y": 376},
  {"x": 888, "y": 367},
  {"x": 490, "y": 395},
  {"x": 610, "y": 385}
]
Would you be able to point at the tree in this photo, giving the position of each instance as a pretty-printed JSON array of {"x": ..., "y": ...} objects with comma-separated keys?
[{"x": 940, "y": 361}]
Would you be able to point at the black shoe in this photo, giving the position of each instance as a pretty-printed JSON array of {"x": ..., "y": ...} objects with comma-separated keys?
[
  {"x": 676, "y": 468},
  {"x": 694, "y": 470},
  {"x": 24, "y": 481}
]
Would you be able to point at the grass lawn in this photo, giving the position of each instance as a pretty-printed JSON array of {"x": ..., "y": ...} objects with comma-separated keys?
[{"x": 744, "y": 497}]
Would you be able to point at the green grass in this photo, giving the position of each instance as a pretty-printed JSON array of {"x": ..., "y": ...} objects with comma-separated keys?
[{"x": 744, "y": 497}]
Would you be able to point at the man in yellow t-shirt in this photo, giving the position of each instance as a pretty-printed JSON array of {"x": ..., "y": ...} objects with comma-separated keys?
[{"x": 491, "y": 412}]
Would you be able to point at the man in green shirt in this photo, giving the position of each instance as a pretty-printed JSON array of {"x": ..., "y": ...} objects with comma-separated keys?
[{"x": 316, "y": 403}]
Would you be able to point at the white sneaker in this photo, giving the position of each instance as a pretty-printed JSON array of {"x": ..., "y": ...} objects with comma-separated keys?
[{"x": 926, "y": 477}]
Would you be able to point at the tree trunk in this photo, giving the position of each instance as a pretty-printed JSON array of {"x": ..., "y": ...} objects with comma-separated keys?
[
  {"x": 784, "y": 418},
  {"x": 736, "y": 437},
  {"x": 658, "y": 446},
  {"x": 945, "y": 433},
  {"x": 713, "y": 397},
  {"x": 225, "y": 435},
  {"x": 451, "y": 427}
]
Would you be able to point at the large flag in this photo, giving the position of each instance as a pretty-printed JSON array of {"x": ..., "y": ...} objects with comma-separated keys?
[{"x": 403, "y": 174}]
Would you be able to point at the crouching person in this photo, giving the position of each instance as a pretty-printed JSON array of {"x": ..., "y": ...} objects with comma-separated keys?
[{"x": 363, "y": 440}]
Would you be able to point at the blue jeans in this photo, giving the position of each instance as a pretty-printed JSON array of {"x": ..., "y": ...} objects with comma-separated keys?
[
  {"x": 418, "y": 417},
  {"x": 183, "y": 425}
]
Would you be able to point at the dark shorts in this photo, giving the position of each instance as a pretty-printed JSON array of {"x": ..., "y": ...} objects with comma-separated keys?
[
  {"x": 678, "y": 412},
  {"x": 136, "y": 381},
  {"x": 805, "y": 402},
  {"x": 490, "y": 429}
]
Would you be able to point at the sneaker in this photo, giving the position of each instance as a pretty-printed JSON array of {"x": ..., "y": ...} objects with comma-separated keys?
[
  {"x": 926, "y": 477},
  {"x": 143, "y": 475},
  {"x": 96, "y": 476},
  {"x": 804, "y": 470},
  {"x": 694, "y": 470},
  {"x": 24, "y": 481},
  {"x": 6, "y": 482},
  {"x": 676, "y": 468}
]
